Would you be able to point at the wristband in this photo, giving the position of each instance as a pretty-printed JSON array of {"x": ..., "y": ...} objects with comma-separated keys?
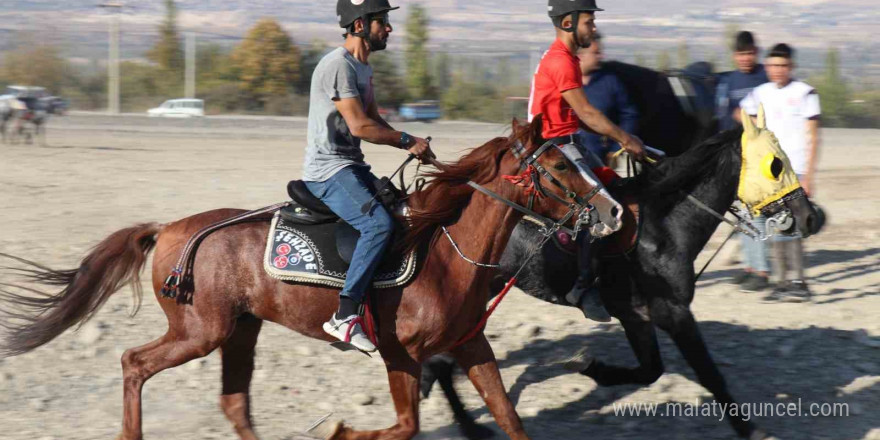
[{"x": 405, "y": 139}]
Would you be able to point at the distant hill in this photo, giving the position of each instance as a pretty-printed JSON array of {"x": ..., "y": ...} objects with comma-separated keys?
[{"x": 482, "y": 27}]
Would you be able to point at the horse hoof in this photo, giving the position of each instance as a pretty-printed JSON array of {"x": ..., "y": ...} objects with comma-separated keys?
[
  {"x": 476, "y": 432},
  {"x": 579, "y": 362}
]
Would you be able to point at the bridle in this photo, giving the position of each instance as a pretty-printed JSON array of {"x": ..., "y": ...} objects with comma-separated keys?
[{"x": 530, "y": 178}]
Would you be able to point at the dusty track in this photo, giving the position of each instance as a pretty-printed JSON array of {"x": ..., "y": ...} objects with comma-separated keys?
[{"x": 100, "y": 174}]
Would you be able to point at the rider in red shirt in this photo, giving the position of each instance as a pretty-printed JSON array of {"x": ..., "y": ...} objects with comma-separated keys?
[{"x": 558, "y": 95}]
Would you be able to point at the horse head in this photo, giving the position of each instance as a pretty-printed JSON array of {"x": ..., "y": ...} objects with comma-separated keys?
[
  {"x": 768, "y": 184},
  {"x": 559, "y": 182}
]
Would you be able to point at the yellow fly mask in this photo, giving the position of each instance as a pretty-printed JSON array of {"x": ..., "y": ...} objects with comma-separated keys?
[{"x": 766, "y": 176}]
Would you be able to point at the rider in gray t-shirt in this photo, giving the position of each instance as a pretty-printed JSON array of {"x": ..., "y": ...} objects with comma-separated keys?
[
  {"x": 342, "y": 112},
  {"x": 331, "y": 146}
]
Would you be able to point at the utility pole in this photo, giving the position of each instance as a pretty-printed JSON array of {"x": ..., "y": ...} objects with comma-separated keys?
[
  {"x": 190, "y": 77},
  {"x": 113, "y": 58}
]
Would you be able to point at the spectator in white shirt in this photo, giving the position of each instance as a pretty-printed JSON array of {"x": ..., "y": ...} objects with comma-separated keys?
[{"x": 792, "y": 110}]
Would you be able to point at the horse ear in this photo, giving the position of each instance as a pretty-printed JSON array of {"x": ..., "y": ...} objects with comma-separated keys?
[
  {"x": 762, "y": 118},
  {"x": 536, "y": 127},
  {"x": 748, "y": 126}
]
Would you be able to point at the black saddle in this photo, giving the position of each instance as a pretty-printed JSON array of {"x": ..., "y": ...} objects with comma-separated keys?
[{"x": 310, "y": 210}]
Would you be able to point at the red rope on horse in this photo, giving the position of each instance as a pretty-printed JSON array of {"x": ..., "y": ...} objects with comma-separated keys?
[
  {"x": 476, "y": 330},
  {"x": 524, "y": 180},
  {"x": 369, "y": 323}
]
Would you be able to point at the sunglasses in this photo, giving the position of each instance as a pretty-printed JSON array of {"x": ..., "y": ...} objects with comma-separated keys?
[{"x": 382, "y": 19}]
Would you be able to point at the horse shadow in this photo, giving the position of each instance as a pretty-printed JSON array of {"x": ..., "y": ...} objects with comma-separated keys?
[
  {"x": 762, "y": 366},
  {"x": 817, "y": 261}
]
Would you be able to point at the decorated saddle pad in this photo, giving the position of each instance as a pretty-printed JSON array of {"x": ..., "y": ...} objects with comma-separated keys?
[{"x": 320, "y": 254}]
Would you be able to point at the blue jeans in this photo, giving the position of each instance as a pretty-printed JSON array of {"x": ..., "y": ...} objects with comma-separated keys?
[
  {"x": 756, "y": 251},
  {"x": 344, "y": 193}
]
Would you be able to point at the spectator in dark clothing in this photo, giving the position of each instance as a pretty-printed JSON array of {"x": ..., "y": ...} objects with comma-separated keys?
[
  {"x": 732, "y": 88},
  {"x": 736, "y": 85},
  {"x": 608, "y": 94}
]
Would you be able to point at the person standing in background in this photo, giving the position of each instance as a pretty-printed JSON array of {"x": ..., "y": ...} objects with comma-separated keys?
[
  {"x": 793, "y": 112},
  {"x": 608, "y": 94},
  {"x": 732, "y": 88},
  {"x": 736, "y": 85}
]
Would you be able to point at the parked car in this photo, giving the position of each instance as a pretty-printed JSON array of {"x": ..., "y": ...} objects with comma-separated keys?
[
  {"x": 25, "y": 92},
  {"x": 179, "y": 108},
  {"x": 421, "y": 111}
]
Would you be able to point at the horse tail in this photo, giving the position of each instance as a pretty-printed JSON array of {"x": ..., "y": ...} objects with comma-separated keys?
[{"x": 36, "y": 318}]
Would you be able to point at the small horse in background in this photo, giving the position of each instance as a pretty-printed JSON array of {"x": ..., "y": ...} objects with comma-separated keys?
[{"x": 29, "y": 122}]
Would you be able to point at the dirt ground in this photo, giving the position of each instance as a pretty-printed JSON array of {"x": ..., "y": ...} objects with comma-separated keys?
[{"x": 100, "y": 174}]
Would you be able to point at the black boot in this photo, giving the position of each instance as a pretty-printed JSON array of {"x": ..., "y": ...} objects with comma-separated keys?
[{"x": 584, "y": 294}]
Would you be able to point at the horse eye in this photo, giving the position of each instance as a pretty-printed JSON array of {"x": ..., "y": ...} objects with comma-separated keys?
[
  {"x": 560, "y": 166},
  {"x": 772, "y": 167},
  {"x": 776, "y": 167}
]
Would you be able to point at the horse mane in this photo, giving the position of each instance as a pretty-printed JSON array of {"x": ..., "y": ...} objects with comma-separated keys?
[
  {"x": 674, "y": 173},
  {"x": 441, "y": 201}
]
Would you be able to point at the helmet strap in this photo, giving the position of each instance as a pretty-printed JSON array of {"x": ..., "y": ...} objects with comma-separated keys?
[
  {"x": 365, "y": 32},
  {"x": 575, "y": 16}
]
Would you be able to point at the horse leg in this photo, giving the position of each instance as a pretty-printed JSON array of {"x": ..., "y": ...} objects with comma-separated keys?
[
  {"x": 643, "y": 340},
  {"x": 237, "y": 354},
  {"x": 440, "y": 368},
  {"x": 478, "y": 360},
  {"x": 177, "y": 346},
  {"x": 679, "y": 322},
  {"x": 403, "y": 380},
  {"x": 41, "y": 134}
]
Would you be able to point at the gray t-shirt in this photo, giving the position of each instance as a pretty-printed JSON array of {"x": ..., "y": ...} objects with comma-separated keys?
[{"x": 331, "y": 146}]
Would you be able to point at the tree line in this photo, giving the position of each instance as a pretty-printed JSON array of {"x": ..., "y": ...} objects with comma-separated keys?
[{"x": 267, "y": 72}]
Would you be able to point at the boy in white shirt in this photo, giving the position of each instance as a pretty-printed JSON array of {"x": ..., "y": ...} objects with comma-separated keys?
[{"x": 792, "y": 109}]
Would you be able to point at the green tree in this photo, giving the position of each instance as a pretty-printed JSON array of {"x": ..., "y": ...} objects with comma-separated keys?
[
  {"x": 167, "y": 52},
  {"x": 478, "y": 100},
  {"x": 664, "y": 61},
  {"x": 683, "y": 55},
  {"x": 266, "y": 62},
  {"x": 640, "y": 60},
  {"x": 418, "y": 77},
  {"x": 35, "y": 65},
  {"x": 387, "y": 81},
  {"x": 442, "y": 72},
  {"x": 833, "y": 91}
]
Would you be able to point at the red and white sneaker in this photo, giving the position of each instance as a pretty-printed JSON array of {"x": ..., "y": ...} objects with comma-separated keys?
[{"x": 350, "y": 331}]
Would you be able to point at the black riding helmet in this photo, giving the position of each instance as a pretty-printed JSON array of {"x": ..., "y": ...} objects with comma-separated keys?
[
  {"x": 558, "y": 9},
  {"x": 347, "y": 11}
]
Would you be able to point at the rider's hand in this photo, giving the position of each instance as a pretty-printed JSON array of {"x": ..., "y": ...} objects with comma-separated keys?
[
  {"x": 419, "y": 147},
  {"x": 634, "y": 147}
]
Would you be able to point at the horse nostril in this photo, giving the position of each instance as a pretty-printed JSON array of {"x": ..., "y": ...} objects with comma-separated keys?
[{"x": 614, "y": 211}]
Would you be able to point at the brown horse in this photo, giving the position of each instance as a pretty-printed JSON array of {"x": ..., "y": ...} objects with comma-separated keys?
[{"x": 232, "y": 295}]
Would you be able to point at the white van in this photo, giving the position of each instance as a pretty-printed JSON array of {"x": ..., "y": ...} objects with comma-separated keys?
[{"x": 179, "y": 108}]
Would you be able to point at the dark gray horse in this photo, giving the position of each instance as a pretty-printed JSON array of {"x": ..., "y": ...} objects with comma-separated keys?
[{"x": 653, "y": 284}]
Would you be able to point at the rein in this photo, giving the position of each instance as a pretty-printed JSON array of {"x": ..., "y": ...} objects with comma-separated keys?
[{"x": 532, "y": 175}]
